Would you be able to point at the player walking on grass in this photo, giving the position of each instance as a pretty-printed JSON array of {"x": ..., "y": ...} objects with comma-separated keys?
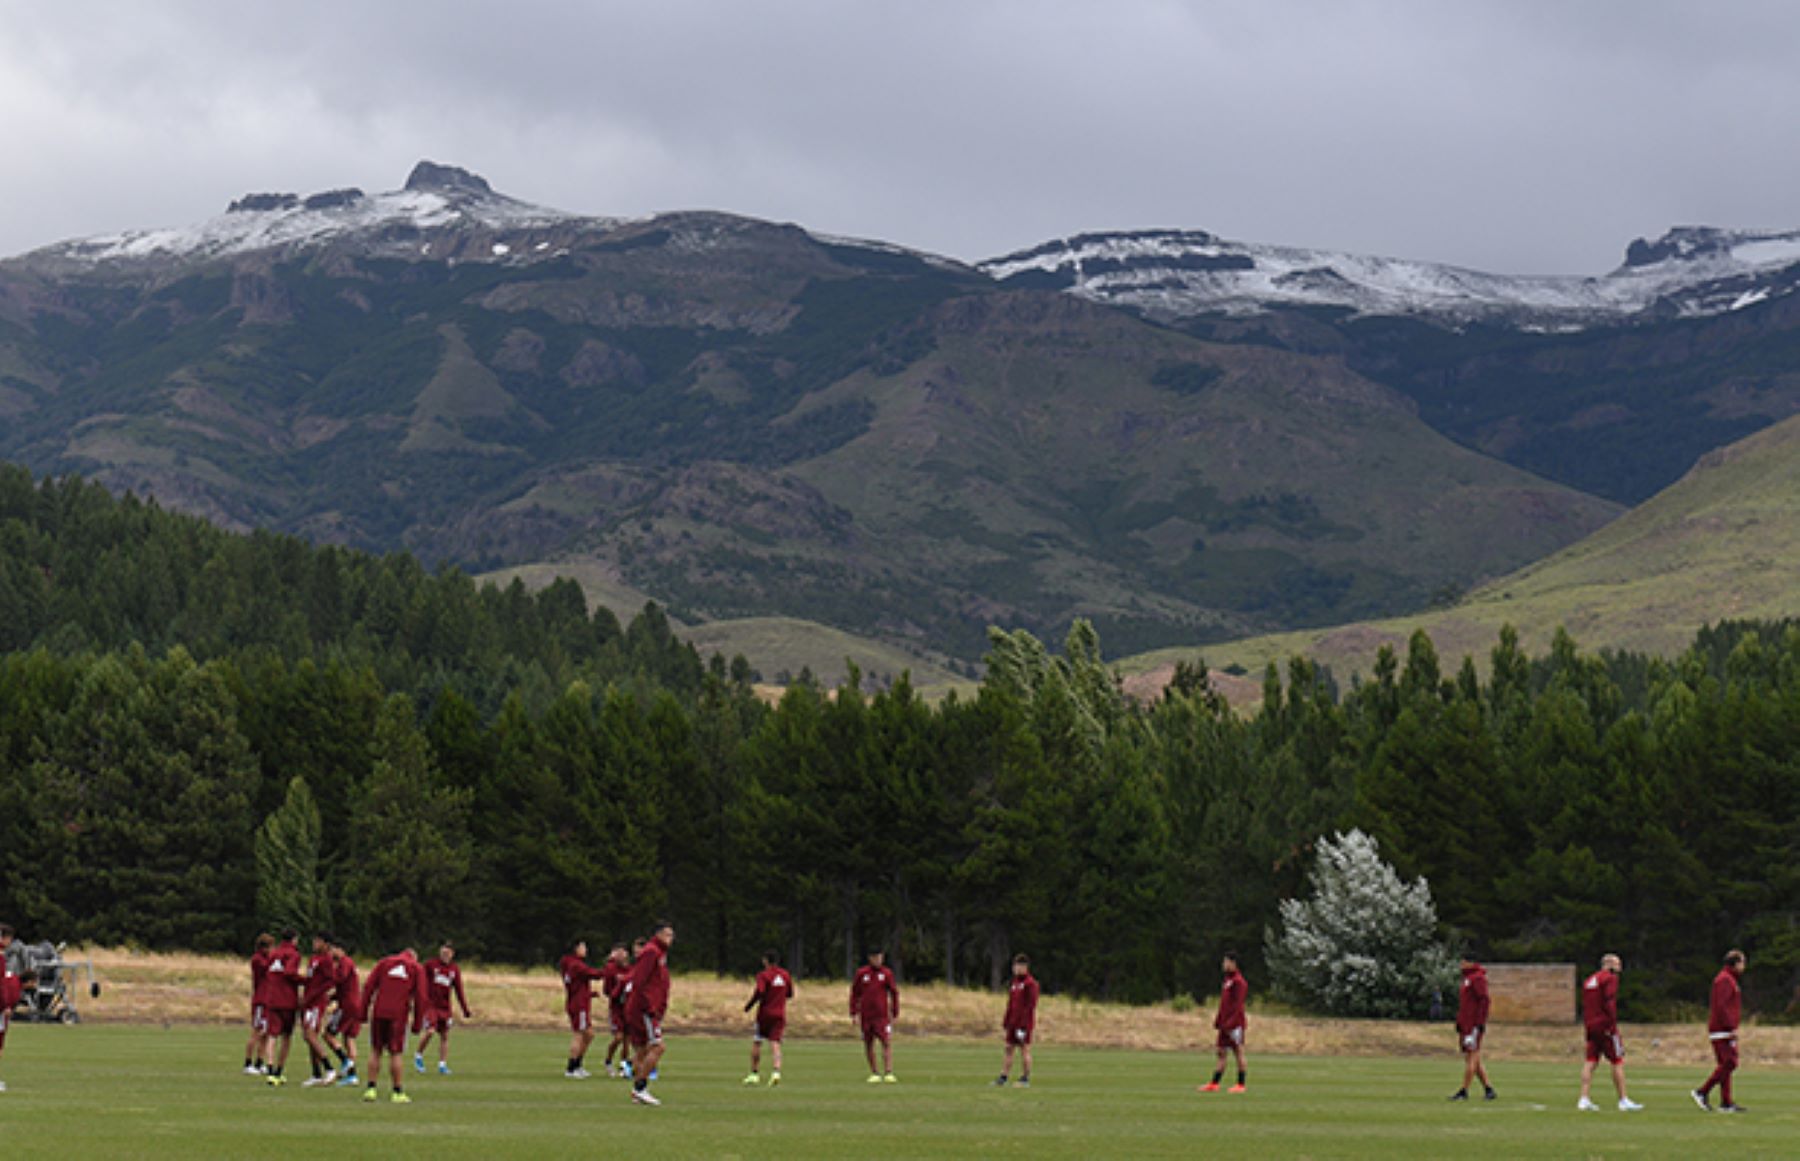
[
  {"x": 1230, "y": 1023},
  {"x": 1600, "y": 1015},
  {"x": 578, "y": 989},
  {"x": 281, "y": 996},
  {"x": 875, "y": 1003},
  {"x": 443, "y": 978},
  {"x": 774, "y": 987},
  {"x": 646, "y": 1003},
  {"x": 1020, "y": 1021},
  {"x": 393, "y": 995},
  {"x": 1721, "y": 1029},
  {"x": 259, "y": 971},
  {"x": 12, "y": 987},
  {"x": 612, "y": 987},
  {"x": 1471, "y": 1025},
  {"x": 315, "y": 997},
  {"x": 341, "y": 1030}
]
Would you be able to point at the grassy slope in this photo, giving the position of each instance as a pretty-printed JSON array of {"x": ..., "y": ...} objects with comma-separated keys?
[
  {"x": 771, "y": 644},
  {"x": 774, "y": 644},
  {"x": 1723, "y": 542},
  {"x": 1034, "y": 451},
  {"x": 143, "y": 1091}
]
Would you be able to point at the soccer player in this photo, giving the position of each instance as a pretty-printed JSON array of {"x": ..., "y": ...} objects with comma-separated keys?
[
  {"x": 1600, "y": 1015},
  {"x": 578, "y": 987},
  {"x": 774, "y": 987},
  {"x": 346, "y": 1021},
  {"x": 612, "y": 986},
  {"x": 1471, "y": 1025},
  {"x": 315, "y": 997},
  {"x": 281, "y": 996},
  {"x": 875, "y": 1002},
  {"x": 646, "y": 1003},
  {"x": 1230, "y": 1023},
  {"x": 1721, "y": 1029},
  {"x": 442, "y": 979},
  {"x": 393, "y": 993},
  {"x": 259, "y": 969},
  {"x": 11, "y": 986},
  {"x": 1020, "y": 1021}
]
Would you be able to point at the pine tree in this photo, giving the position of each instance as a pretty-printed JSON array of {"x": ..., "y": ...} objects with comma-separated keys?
[{"x": 289, "y": 892}]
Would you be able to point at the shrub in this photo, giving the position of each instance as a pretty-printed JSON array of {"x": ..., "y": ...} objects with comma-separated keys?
[{"x": 1365, "y": 943}]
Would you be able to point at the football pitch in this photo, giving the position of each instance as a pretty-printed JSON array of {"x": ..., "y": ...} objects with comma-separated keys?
[{"x": 114, "y": 1091}]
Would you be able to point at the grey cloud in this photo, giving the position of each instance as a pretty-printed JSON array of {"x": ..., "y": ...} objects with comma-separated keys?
[{"x": 1505, "y": 135}]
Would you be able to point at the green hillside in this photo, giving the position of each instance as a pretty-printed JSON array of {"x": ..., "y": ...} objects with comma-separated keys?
[
  {"x": 746, "y": 421},
  {"x": 1721, "y": 543},
  {"x": 778, "y": 648}
]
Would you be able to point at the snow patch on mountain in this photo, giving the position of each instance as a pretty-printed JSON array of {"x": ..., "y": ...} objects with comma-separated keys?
[{"x": 1176, "y": 274}]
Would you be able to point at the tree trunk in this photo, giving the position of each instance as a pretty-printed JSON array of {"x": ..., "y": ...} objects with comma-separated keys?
[
  {"x": 950, "y": 946},
  {"x": 997, "y": 953},
  {"x": 849, "y": 896}
]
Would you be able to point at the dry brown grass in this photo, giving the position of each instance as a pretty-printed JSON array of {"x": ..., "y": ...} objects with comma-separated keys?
[{"x": 157, "y": 987}]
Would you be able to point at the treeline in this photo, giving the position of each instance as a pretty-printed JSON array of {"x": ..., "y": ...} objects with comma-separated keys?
[
  {"x": 82, "y": 571},
  {"x": 1560, "y": 806}
]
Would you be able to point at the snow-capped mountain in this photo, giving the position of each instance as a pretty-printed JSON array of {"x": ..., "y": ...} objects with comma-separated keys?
[
  {"x": 1175, "y": 274},
  {"x": 442, "y": 213},
  {"x": 436, "y": 200}
]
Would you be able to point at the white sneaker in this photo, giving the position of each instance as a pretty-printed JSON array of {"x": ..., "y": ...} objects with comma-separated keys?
[
  {"x": 612, "y": 1070},
  {"x": 252, "y": 1070},
  {"x": 1587, "y": 1106},
  {"x": 642, "y": 1096},
  {"x": 313, "y": 1082},
  {"x": 1627, "y": 1105},
  {"x": 573, "y": 1073},
  {"x": 583, "y": 1073},
  {"x": 330, "y": 1077},
  {"x": 2, "y": 1086}
]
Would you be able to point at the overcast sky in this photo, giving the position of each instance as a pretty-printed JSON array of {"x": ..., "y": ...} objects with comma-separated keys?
[{"x": 1513, "y": 135}]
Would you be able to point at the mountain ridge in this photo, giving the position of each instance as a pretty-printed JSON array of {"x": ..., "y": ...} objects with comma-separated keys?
[
  {"x": 1175, "y": 275},
  {"x": 1171, "y": 275},
  {"x": 744, "y": 419}
]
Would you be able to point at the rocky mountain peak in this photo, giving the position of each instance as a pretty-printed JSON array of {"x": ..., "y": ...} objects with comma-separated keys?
[{"x": 428, "y": 176}]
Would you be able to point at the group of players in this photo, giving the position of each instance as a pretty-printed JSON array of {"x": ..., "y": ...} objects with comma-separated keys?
[
  {"x": 330, "y": 1005},
  {"x": 1600, "y": 1021},
  {"x": 635, "y": 984}
]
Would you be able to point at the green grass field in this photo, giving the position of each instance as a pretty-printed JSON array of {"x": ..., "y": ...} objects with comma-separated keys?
[{"x": 112, "y": 1091}]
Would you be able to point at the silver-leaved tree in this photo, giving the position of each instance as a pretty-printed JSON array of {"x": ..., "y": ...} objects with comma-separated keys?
[{"x": 1365, "y": 943}]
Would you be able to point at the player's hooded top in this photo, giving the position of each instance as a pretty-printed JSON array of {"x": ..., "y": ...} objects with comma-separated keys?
[
  {"x": 395, "y": 988},
  {"x": 873, "y": 994},
  {"x": 1021, "y": 1004},
  {"x": 1727, "y": 997},
  {"x": 1600, "y": 1002},
  {"x": 259, "y": 972},
  {"x": 612, "y": 983},
  {"x": 773, "y": 987},
  {"x": 441, "y": 979},
  {"x": 281, "y": 982},
  {"x": 321, "y": 978},
  {"x": 578, "y": 983},
  {"x": 348, "y": 993},
  {"x": 1472, "y": 1007},
  {"x": 1232, "y": 994},
  {"x": 647, "y": 988},
  {"x": 11, "y": 988}
]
